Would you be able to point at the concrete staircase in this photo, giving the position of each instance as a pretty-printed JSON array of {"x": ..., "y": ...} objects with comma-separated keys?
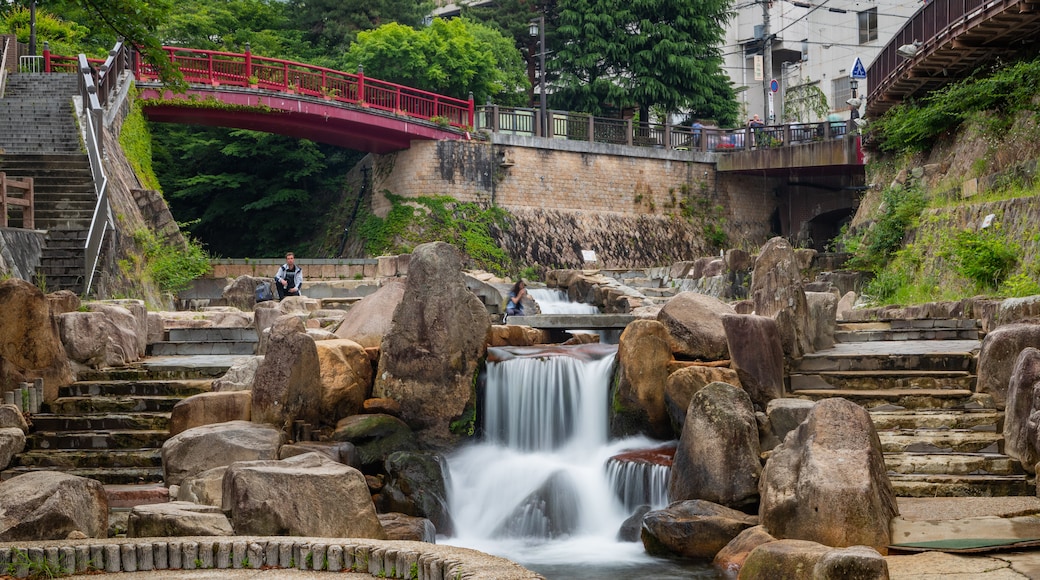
[
  {"x": 39, "y": 138},
  {"x": 206, "y": 341},
  {"x": 917, "y": 379}
]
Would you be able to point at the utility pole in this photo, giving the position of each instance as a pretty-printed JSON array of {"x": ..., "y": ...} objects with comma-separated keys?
[{"x": 767, "y": 62}]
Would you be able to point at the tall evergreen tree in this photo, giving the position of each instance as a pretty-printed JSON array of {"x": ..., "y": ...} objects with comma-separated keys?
[{"x": 664, "y": 54}]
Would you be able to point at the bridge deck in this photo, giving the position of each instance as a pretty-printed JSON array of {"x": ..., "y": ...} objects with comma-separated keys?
[{"x": 574, "y": 321}]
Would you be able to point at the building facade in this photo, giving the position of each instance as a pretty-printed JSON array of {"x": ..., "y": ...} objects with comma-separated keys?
[{"x": 813, "y": 46}]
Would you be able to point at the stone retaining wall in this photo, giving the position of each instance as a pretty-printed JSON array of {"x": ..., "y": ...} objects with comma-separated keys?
[{"x": 381, "y": 559}]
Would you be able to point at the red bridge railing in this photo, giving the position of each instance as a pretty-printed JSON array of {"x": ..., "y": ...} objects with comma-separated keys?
[{"x": 247, "y": 70}]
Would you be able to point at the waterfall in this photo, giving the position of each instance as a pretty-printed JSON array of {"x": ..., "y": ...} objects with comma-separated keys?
[
  {"x": 555, "y": 301},
  {"x": 537, "y": 489}
]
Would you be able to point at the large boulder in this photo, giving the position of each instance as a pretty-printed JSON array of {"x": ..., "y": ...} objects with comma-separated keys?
[
  {"x": 1022, "y": 417},
  {"x": 12, "y": 442},
  {"x": 177, "y": 518},
  {"x": 369, "y": 320},
  {"x": 287, "y": 385},
  {"x": 757, "y": 356},
  {"x": 416, "y": 487},
  {"x": 1000, "y": 350},
  {"x": 731, "y": 558},
  {"x": 209, "y": 408},
  {"x": 101, "y": 338},
  {"x": 692, "y": 529},
  {"x": 643, "y": 355},
  {"x": 431, "y": 355},
  {"x": 201, "y": 448},
  {"x": 776, "y": 290},
  {"x": 375, "y": 437},
  {"x": 411, "y": 528},
  {"x": 685, "y": 382},
  {"x": 11, "y": 416},
  {"x": 346, "y": 377},
  {"x": 50, "y": 505},
  {"x": 827, "y": 482},
  {"x": 30, "y": 341},
  {"x": 138, "y": 311},
  {"x": 203, "y": 488},
  {"x": 694, "y": 323},
  {"x": 717, "y": 458},
  {"x": 266, "y": 313},
  {"x": 785, "y": 415},
  {"x": 240, "y": 293},
  {"x": 239, "y": 377},
  {"x": 305, "y": 495},
  {"x": 823, "y": 318},
  {"x": 805, "y": 559}
]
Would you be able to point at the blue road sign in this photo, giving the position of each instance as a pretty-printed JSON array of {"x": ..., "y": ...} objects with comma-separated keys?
[
  {"x": 858, "y": 70},
  {"x": 774, "y": 86}
]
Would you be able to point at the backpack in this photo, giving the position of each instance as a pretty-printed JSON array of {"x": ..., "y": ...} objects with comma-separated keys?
[{"x": 263, "y": 292}]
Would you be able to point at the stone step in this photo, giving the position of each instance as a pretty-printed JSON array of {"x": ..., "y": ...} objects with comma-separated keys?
[
  {"x": 78, "y": 405},
  {"x": 979, "y": 419},
  {"x": 211, "y": 334},
  {"x": 952, "y": 464},
  {"x": 879, "y": 380},
  {"x": 905, "y": 334},
  {"x": 139, "y": 387},
  {"x": 114, "y": 439},
  {"x": 90, "y": 458},
  {"x": 925, "y": 485},
  {"x": 941, "y": 441},
  {"x": 101, "y": 421},
  {"x": 905, "y": 398},
  {"x": 823, "y": 361},
  {"x": 128, "y": 496},
  {"x": 107, "y": 476},
  {"x": 190, "y": 348}
]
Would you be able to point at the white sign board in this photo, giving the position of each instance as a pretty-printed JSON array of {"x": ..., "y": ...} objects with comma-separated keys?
[
  {"x": 759, "y": 75},
  {"x": 588, "y": 255}
]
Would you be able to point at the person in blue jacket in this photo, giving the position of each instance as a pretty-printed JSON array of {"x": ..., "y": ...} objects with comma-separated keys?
[{"x": 289, "y": 278}]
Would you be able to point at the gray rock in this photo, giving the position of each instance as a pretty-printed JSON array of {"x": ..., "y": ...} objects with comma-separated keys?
[
  {"x": 50, "y": 505},
  {"x": 757, "y": 356},
  {"x": 369, "y": 320},
  {"x": 416, "y": 486},
  {"x": 431, "y": 355},
  {"x": 305, "y": 495},
  {"x": 11, "y": 417},
  {"x": 1000, "y": 350},
  {"x": 776, "y": 290},
  {"x": 411, "y": 528},
  {"x": 201, "y": 448},
  {"x": 12, "y": 442},
  {"x": 177, "y": 518},
  {"x": 643, "y": 355},
  {"x": 694, "y": 324},
  {"x": 287, "y": 385}
]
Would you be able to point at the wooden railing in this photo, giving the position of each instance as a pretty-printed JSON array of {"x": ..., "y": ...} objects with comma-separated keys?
[
  {"x": 584, "y": 127},
  {"x": 7, "y": 200},
  {"x": 247, "y": 70}
]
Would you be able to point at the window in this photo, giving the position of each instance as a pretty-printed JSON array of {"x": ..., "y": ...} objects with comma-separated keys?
[
  {"x": 867, "y": 25},
  {"x": 841, "y": 91}
]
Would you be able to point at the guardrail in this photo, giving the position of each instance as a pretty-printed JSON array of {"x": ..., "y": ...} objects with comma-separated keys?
[
  {"x": 248, "y": 70},
  {"x": 24, "y": 185},
  {"x": 585, "y": 127}
]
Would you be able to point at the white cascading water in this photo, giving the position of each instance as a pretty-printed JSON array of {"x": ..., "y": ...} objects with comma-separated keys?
[{"x": 554, "y": 301}]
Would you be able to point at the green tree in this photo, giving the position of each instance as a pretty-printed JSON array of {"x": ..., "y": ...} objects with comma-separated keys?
[
  {"x": 64, "y": 37},
  {"x": 332, "y": 25},
  {"x": 453, "y": 57},
  {"x": 646, "y": 53},
  {"x": 246, "y": 193}
]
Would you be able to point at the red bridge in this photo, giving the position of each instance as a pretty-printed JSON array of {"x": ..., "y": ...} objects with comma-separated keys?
[{"x": 294, "y": 99}]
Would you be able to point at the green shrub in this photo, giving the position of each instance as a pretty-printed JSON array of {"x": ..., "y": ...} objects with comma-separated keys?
[
  {"x": 172, "y": 268},
  {"x": 901, "y": 208},
  {"x": 1019, "y": 285},
  {"x": 984, "y": 257}
]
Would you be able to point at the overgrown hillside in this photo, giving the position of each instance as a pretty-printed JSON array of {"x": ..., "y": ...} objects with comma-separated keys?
[{"x": 955, "y": 207}]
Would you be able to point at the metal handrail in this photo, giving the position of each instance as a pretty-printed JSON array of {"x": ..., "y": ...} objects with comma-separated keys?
[
  {"x": 584, "y": 127},
  {"x": 3, "y": 63},
  {"x": 94, "y": 126}
]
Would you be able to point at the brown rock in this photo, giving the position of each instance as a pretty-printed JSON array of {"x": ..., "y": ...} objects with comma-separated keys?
[
  {"x": 756, "y": 355},
  {"x": 30, "y": 344},
  {"x": 684, "y": 382},
  {"x": 346, "y": 377},
  {"x": 368, "y": 321},
  {"x": 382, "y": 405},
  {"x": 827, "y": 482},
  {"x": 694, "y": 323},
  {"x": 411, "y": 528},
  {"x": 643, "y": 355},
  {"x": 62, "y": 301},
  {"x": 717, "y": 458},
  {"x": 209, "y": 408},
  {"x": 731, "y": 558},
  {"x": 1022, "y": 419},
  {"x": 692, "y": 529}
]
